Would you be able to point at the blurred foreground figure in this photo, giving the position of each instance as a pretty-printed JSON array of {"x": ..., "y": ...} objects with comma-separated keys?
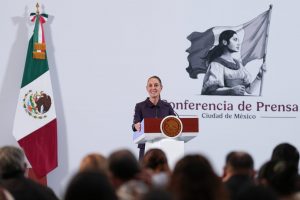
[
  {"x": 12, "y": 178},
  {"x": 156, "y": 163},
  {"x": 94, "y": 162},
  {"x": 124, "y": 174},
  {"x": 238, "y": 172},
  {"x": 90, "y": 185},
  {"x": 193, "y": 178}
]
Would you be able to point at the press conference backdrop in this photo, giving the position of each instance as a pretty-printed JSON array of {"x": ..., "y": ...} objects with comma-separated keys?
[{"x": 101, "y": 53}]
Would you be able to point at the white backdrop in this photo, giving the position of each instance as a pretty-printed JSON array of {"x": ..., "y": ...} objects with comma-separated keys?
[{"x": 102, "y": 52}]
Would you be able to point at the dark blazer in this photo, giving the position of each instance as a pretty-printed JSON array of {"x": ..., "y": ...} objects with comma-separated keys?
[
  {"x": 237, "y": 183},
  {"x": 146, "y": 109}
]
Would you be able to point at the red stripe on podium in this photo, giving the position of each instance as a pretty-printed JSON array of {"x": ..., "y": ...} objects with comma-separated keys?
[{"x": 152, "y": 125}]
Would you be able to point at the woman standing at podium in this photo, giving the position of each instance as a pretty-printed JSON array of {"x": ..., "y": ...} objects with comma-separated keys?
[{"x": 152, "y": 107}]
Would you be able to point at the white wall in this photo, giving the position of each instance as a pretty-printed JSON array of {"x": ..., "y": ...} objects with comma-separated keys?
[{"x": 101, "y": 53}]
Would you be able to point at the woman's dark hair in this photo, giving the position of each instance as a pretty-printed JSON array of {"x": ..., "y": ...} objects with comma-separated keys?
[
  {"x": 155, "y": 159},
  {"x": 239, "y": 160},
  {"x": 90, "y": 185},
  {"x": 218, "y": 50},
  {"x": 194, "y": 178},
  {"x": 123, "y": 164},
  {"x": 280, "y": 176},
  {"x": 156, "y": 77},
  {"x": 286, "y": 152}
]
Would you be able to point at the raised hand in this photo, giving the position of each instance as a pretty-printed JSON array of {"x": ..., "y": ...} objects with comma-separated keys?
[
  {"x": 238, "y": 90},
  {"x": 137, "y": 126}
]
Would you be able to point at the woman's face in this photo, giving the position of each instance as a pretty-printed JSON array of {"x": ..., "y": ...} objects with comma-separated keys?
[
  {"x": 153, "y": 87},
  {"x": 234, "y": 43}
]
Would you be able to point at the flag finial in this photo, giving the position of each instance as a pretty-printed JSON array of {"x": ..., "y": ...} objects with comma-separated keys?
[
  {"x": 271, "y": 6},
  {"x": 37, "y": 8}
]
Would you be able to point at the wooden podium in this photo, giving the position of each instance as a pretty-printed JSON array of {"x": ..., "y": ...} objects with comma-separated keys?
[{"x": 153, "y": 135}]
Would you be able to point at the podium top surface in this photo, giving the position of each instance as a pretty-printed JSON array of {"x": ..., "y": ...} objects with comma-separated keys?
[{"x": 151, "y": 130}]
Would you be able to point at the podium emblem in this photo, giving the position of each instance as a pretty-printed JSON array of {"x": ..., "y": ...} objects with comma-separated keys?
[{"x": 171, "y": 126}]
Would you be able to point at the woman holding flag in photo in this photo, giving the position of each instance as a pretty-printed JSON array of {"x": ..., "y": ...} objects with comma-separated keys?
[
  {"x": 222, "y": 52},
  {"x": 227, "y": 75}
]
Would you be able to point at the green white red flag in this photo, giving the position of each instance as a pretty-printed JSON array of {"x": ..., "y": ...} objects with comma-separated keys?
[{"x": 35, "y": 125}]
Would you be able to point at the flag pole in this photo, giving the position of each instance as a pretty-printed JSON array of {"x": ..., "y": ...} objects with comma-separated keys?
[{"x": 264, "y": 58}]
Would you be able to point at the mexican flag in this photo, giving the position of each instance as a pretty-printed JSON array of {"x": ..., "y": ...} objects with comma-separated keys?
[
  {"x": 252, "y": 35},
  {"x": 35, "y": 126}
]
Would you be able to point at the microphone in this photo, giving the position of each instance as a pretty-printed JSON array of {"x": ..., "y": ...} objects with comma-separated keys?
[{"x": 176, "y": 114}]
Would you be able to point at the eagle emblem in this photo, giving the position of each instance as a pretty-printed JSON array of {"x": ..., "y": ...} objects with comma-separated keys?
[{"x": 37, "y": 104}]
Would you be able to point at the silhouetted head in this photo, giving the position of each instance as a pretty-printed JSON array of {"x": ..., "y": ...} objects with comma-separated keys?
[
  {"x": 90, "y": 185},
  {"x": 94, "y": 162},
  {"x": 123, "y": 165},
  {"x": 156, "y": 160},
  {"x": 279, "y": 175},
  {"x": 287, "y": 153},
  {"x": 194, "y": 178},
  {"x": 239, "y": 160},
  {"x": 238, "y": 163},
  {"x": 12, "y": 161}
]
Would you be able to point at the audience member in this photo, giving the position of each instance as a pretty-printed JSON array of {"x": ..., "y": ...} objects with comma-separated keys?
[
  {"x": 193, "y": 178},
  {"x": 281, "y": 177},
  {"x": 289, "y": 154},
  {"x": 120, "y": 177},
  {"x": 238, "y": 172},
  {"x": 94, "y": 162},
  {"x": 12, "y": 169},
  {"x": 124, "y": 170},
  {"x": 156, "y": 162},
  {"x": 90, "y": 185}
]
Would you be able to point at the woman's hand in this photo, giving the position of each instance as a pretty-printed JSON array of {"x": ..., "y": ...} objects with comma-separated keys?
[
  {"x": 261, "y": 71},
  {"x": 137, "y": 126},
  {"x": 238, "y": 90}
]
